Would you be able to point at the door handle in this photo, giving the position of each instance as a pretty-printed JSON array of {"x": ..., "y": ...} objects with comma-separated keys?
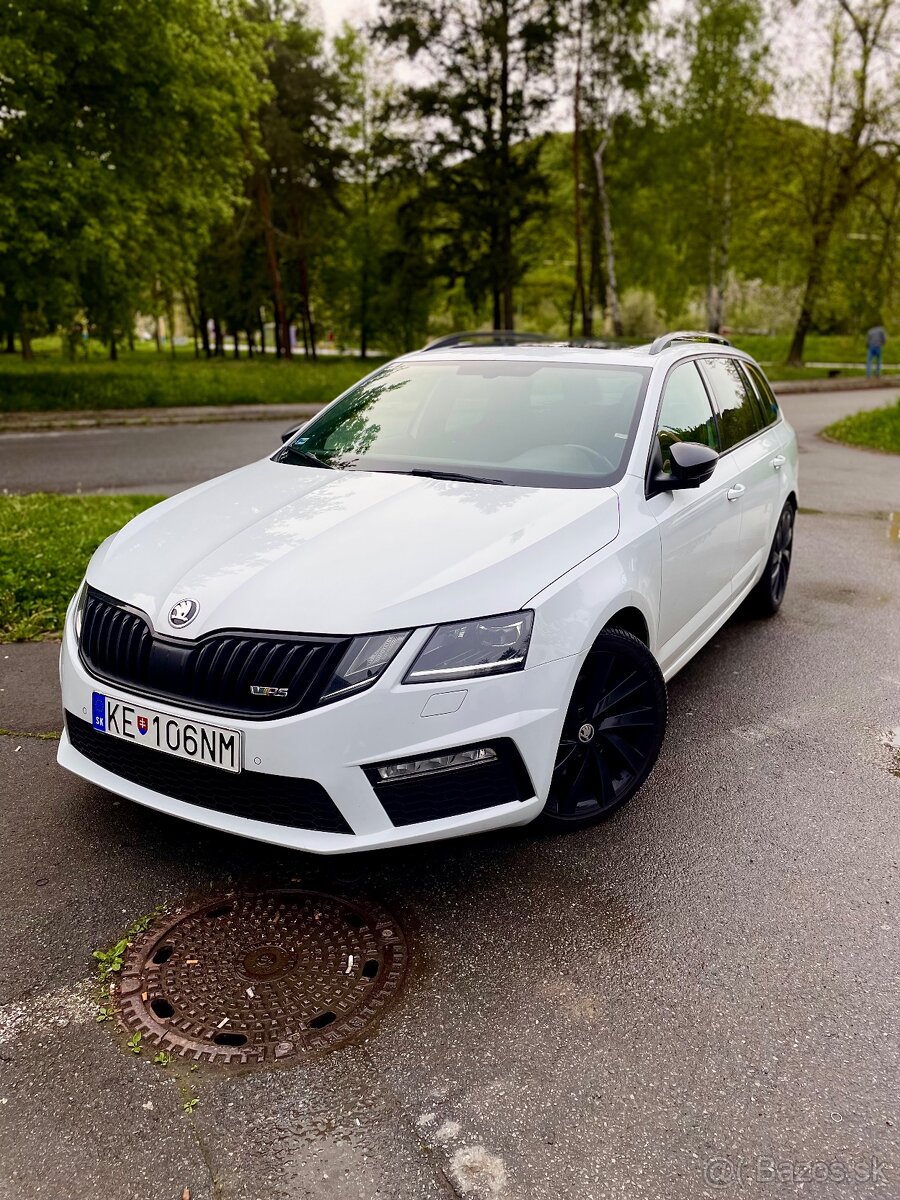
[
  {"x": 735, "y": 493},
  {"x": 778, "y": 462}
]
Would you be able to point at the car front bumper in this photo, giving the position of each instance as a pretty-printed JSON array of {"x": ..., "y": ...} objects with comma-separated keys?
[{"x": 333, "y": 745}]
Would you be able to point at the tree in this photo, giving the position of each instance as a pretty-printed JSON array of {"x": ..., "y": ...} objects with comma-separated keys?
[
  {"x": 488, "y": 69},
  {"x": 857, "y": 142},
  {"x": 611, "y": 73},
  {"x": 297, "y": 186},
  {"x": 376, "y": 274},
  {"x": 126, "y": 134},
  {"x": 722, "y": 93}
]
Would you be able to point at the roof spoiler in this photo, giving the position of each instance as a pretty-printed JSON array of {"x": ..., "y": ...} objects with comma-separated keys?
[{"x": 686, "y": 335}]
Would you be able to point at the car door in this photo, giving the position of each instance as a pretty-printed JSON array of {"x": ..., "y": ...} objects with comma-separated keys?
[
  {"x": 752, "y": 447},
  {"x": 699, "y": 527}
]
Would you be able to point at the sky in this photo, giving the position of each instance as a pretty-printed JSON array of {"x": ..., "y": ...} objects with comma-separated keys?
[
  {"x": 333, "y": 12},
  {"x": 797, "y": 39}
]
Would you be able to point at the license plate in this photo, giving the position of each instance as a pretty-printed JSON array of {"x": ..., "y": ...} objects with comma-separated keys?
[{"x": 185, "y": 739}]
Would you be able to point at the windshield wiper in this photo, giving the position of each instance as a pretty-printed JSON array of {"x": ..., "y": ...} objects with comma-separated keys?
[
  {"x": 427, "y": 473},
  {"x": 304, "y": 456}
]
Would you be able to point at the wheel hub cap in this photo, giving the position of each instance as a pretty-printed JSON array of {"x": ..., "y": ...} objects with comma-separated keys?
[{"x": 586, "y": 733}]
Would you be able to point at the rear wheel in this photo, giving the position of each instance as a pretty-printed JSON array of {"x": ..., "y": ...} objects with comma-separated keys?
[
  {"x": 767, "y": 595},
  {"x": 612, "y": 733}
]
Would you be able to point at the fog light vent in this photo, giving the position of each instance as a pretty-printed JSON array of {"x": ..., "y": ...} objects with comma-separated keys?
[{"x": 413, "y": 767}]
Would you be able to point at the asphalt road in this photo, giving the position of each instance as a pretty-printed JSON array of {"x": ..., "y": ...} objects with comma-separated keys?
[
  {"x": 162, "y": 459},
  {"x": 704, "y": 986}
]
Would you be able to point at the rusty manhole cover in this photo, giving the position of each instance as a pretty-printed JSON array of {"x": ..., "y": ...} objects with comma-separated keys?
[{"x": 257, "y": 977}]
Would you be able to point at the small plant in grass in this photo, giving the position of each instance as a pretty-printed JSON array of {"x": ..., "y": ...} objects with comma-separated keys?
[
  {"x": 134, "y": 1043},
  {"x": 191, "y": 1104},
  {"x": 104, "y": 1013},
  {"x": 163, "y": 1058},
  {"x": 109, "y": 962}
]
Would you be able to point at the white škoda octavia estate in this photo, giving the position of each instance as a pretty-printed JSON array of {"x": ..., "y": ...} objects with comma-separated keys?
[{"x": 448, "y": 603}]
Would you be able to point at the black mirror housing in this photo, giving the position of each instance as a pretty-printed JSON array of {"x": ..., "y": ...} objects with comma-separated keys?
[
  {"x": 692, "y": 464},
  {"x": 289, "y": 433}
]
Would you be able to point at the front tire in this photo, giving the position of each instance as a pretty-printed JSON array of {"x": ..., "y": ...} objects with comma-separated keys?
[
  {"x": 612, "y": 734},
  {"x": 766, "y": 597}
]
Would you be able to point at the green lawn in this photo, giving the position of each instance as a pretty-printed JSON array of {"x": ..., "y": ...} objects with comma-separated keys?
[
  {"x": 877, "y": 429},
  {"x": 45, "y": 544},
  {"x": 774, "y": 348},
  {"x": 146, "y": 379}
]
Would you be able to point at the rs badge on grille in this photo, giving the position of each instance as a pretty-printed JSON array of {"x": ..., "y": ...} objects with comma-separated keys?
[{"x": 256, "y": 690}]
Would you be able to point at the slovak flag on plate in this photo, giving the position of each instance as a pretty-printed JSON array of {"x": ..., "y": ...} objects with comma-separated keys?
[{"x": 143, "y": 725}]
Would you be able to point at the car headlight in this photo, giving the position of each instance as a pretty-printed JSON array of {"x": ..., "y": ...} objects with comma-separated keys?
[
  {"x": 470, "y": 649},
  {"x": 78, "y": 609},
  {"x": 365, "y": 659}
]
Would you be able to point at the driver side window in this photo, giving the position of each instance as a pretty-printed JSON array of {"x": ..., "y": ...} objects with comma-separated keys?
[{"x": 686, "y": 415}]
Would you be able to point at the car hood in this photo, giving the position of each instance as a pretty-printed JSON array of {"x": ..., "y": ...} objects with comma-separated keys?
[{"x": 287, "y": 548}]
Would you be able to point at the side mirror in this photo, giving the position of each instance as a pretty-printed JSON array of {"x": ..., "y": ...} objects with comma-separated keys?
[
  {"x": 289, "y": 433},
  {"x": 692, "y": 464}
]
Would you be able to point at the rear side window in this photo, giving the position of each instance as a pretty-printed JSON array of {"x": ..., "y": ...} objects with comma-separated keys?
[
  {"x": 686, "y": 415},
  {"x": 739, "y": 415},
  {"x": 767, "y": 403}
]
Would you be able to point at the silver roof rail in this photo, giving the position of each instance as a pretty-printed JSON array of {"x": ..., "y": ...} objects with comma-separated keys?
[
  {"x": 686, "y": 335},
  {"x": 486, "y": 337}
]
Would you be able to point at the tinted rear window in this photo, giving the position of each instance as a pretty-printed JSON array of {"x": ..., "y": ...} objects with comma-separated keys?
[{"x": 739, "y": 415}]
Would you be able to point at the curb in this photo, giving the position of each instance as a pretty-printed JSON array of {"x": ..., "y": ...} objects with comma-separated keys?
[
  {"x": 854, "y": 383},
  {"x": 68, "y": 421}
]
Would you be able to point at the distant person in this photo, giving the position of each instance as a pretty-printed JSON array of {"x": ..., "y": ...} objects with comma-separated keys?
[{"x": 875, "y": 339}]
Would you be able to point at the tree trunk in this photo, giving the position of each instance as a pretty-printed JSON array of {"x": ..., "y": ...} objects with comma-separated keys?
[
  {"x": 237, "y": 349},
  {"x": 113, "y": 348},
  {"x": 219, "y": 341},
  {"x": 596, "y": 287},
  {"x": 249, "y": 334},
  {"x": 193, "y": 316},
  {"x": 506, "y": 250},
  {"x": 612, "y": 291},
  {"x": 156, "y": 336},
  {"x": 203, "y": 324},
  {"x": 170, "y": 322},
  {"x": 309, "y": 329},
  {"x": 811, "y": 291},
  {"x": 10, "y": 342},
  {"x": 262, "y": 333},
  {"x": 720, "y": 247},
  {"x": 265, "y": 212},
  {"x": 580, "y": 295},
  {"x": 25, "y": 340}
]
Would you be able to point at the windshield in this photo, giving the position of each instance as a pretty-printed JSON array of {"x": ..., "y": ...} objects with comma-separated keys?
[{"x": 539, "y": 424}]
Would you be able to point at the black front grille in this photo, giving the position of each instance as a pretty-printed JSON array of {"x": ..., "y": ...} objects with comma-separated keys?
[
  {"x": 212, "y": 674},
  {"x": 450, "y": 793},
  {"x": 278, "y": 799}
]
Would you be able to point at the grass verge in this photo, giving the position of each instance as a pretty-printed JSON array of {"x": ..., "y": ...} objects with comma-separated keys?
[
  {"x": 143, "y": 380},
  {"x": 876, "y": 429},
  {"x": 45, "y": 544}
]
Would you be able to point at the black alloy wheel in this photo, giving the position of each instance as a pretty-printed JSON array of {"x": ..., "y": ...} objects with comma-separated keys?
[
  {"x": 768, "y": 594},
  {"x": 612, "y": 733}
]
